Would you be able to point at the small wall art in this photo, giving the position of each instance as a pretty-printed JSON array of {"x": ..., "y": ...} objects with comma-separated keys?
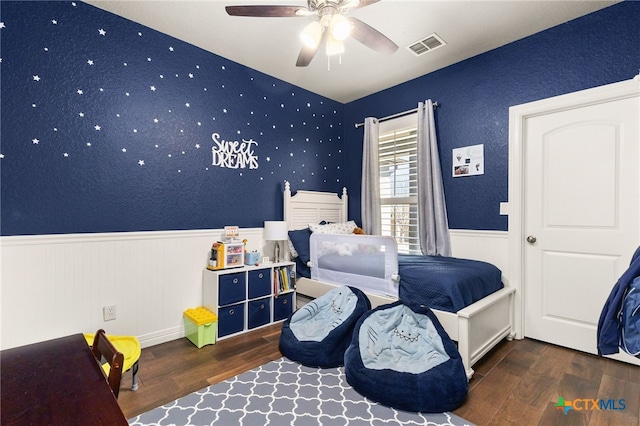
[{"x": 468, "y": 161}]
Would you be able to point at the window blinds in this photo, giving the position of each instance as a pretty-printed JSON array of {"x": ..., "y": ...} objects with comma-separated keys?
[{"x": 399, "y": 187}]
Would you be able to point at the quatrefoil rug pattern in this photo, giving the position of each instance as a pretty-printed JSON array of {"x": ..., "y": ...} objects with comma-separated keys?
[{"x": 283, "y": 392}]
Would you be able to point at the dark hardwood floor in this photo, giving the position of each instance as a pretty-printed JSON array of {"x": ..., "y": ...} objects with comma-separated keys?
[{"x": 518, "y": 382}]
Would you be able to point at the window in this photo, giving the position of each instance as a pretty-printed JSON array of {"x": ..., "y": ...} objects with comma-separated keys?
[{"x": 398, "y": 158}]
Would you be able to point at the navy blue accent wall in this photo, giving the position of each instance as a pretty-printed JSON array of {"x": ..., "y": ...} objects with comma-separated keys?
[
  {"x": 109, "y": 126},
  {"x": 475, "y": 96}
]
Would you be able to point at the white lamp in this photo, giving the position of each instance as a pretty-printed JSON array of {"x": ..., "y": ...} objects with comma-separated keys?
[{"x": 275, "y": 230}]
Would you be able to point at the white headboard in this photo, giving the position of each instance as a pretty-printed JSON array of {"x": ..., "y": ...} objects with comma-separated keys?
[{"x": 313, "y": 207}]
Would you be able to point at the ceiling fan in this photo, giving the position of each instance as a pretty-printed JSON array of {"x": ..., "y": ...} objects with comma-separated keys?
[{"x": 331, "y": 27}]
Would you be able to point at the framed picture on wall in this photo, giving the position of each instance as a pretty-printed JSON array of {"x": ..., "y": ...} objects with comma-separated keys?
[{"x": 468, "y": 161}]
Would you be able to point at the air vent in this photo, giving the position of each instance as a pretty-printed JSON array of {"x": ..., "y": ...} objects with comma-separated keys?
[{"x": 427, "y": 44}]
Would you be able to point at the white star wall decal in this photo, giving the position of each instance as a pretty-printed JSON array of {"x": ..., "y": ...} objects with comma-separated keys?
[{"x": 181, "y": 130}]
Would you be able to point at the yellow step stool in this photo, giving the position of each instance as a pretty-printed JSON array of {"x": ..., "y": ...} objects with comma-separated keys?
[{"x": 129, "y": 346}]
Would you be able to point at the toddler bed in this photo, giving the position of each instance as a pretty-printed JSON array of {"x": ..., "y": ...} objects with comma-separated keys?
[{"x": 477, "y": 315}]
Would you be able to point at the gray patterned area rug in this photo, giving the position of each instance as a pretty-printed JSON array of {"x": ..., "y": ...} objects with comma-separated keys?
[{"x": 283, "y": 392}]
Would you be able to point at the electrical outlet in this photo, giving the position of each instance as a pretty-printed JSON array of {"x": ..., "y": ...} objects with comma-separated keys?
[{"x": 109, "y": 313}]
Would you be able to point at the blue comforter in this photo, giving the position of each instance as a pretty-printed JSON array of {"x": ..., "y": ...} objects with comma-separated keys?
[{"x": 445, "y": 283}]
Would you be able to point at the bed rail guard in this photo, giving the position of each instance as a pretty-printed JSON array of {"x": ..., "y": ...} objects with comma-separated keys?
[{"x": 369, "y": 262}]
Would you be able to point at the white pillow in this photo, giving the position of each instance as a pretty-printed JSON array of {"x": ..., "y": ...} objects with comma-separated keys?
[
  {"x": 334, "y": 228},
  {"x": 292, "y": 249}
]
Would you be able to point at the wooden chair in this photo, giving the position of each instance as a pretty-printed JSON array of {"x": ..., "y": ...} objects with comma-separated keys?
[
  {"x": 130, "y": 348},
  {"x": 102, "y": 348}
]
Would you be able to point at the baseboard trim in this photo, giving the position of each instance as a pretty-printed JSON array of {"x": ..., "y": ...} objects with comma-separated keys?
[{"x": 161, "y": 336}]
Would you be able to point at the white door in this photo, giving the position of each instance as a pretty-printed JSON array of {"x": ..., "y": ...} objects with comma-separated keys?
[{"x": 581, "y": 214}]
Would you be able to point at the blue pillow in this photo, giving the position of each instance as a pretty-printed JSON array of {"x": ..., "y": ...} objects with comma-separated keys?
[
  {"x": 300, "y": 240},
  {"x": 302, "y": 270}
]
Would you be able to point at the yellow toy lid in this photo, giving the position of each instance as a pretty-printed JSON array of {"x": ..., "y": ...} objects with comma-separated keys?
[{"x": 200, "y": 316}]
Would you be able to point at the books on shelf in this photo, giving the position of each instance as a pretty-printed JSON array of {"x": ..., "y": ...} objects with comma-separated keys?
[{"x": 283, "y": 279}]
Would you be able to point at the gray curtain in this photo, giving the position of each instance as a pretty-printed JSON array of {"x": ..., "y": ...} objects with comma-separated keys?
[
  {"x": 432, "y": 210},
  {"x": 370, "y": 196}
]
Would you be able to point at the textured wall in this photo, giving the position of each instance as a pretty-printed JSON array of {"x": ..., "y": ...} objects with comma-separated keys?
[
  {"x": 107, "y": 126},
  {"x": 59, "y": 174},
  {"x": 475, "y": 96}
]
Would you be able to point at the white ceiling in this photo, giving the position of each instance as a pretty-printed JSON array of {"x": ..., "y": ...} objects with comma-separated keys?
[{"x": 271, "y": 45}]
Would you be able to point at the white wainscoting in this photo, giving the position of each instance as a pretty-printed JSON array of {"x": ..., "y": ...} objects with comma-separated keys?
[{"x": 55, "y": 285}]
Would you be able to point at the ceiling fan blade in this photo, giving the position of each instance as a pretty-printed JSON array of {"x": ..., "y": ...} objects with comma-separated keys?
[
  {"x": 371, "y": 37},
  {"x": 308, "y": 53},
  {"x": 266, "y": 11},
  {"x": 306, "y": 56}
]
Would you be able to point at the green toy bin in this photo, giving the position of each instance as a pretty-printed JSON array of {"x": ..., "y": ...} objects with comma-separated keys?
[{"x": 200, "y": 326}]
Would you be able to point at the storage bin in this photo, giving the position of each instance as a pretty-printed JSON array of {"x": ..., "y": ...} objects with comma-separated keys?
[
  {"x": 259, "y": 312},
  {"x": 232, "y": 289},
  {"x": 200, "y": 326},
  {"x": 283, "y": 306},
  {"x": 259, "y": 283},
  {"x": 231, "y": 319}
]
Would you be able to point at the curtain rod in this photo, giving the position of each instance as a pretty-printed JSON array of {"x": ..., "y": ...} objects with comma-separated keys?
[{"x": 400, "y": 114}]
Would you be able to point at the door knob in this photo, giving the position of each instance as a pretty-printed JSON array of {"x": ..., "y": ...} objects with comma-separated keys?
[{"x": 531, "y": 239}]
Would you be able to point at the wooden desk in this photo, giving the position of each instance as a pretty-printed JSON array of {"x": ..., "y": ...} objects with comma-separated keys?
[{"x": 57, "y": 382}]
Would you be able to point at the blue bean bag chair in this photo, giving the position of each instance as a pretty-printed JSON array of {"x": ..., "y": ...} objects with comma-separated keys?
[
  {"x": 400, "y": 356},
  {"x": 318, "y": 334}
]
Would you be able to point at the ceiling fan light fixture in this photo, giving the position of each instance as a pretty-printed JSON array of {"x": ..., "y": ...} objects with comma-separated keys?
[
  {"x": 311, "y": 35},
  {"x": 330, "y": 28},
  {"x": 334, "y": 46},
  {"x": 340, "y": 27}
]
